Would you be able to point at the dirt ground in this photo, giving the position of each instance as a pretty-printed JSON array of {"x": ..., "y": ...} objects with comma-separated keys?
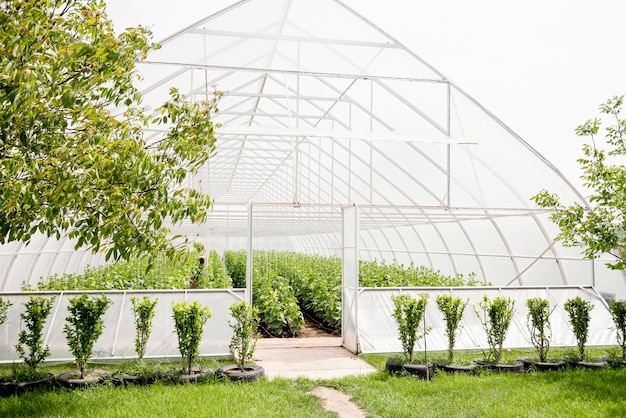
[{"x": 312, "y": 330}]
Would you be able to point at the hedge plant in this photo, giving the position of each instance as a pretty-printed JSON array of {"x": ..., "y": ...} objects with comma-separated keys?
[
  {"x": 4, "y": 310},
  {"x": 452, "y": 308},
  {"x": 578, "y": 310},
  {"x": 189, "y": 321},
  {"x": 84, "y": 325},
  {"x": 618, "y": 313},
  {"x": 495, "y": 316},
  {"x": 408, "y": 313},
  {"x": 143, "y": 310},
  {"x": 30, "y": 345},
  {"x": 245, "y": 321},
  {"x": 538, "y": 322}
]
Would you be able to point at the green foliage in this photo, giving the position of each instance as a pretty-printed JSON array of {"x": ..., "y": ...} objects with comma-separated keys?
[
  {"x": 30, "y": 344},
  {"x": 538, "y": 322},
  {"x": 217, "y": 276},
  {"x": 84, "y": 325},
  {"x": 408, "y": 313},
  {"x": 189, "y": 321},
  {"x": 380, "y": 274},
  {"x": 161, "y": 272},
  {"x": 452, "y": 309},
  {"x": 4, "y": 310},
  {"x": 316, "y": 281},
  {"x": 618, "y": 313},
  {"x": 244, "y": 324},
  {"x": 578, "y": 311},
  {"x": 236, "y": 265},
  {"x": 144, "y": 311},
  {"x": 73, "y": 156},
  {"x": 602, "y": 227},
  {"x": 277, "y": 304},
  {"x": 495, "y": 318}
]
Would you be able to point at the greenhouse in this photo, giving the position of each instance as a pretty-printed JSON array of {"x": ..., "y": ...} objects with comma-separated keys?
[{"x": 334, "y": 140}]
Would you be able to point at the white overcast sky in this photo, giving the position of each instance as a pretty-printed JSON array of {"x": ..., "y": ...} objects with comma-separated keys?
[{"x": 541, "y": 66}]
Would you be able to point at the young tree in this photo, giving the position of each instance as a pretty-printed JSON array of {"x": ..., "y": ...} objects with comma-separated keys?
[
  {"x": 73, "y": 156},
  {"x": 602, "y": 227}
]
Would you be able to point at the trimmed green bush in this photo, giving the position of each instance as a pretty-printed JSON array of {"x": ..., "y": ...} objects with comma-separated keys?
[
  {"x": 30, "y": 345},
  {"x": 578, "y": 311},
  {"x": 452, "y": 309},
  {"x": 244, "y": 324},
  {"x": 84, "y": 325},
  {"x": 144, "y": 311},
  {"x": 189, "y": 321},
  {"x": 495, "y": 317},
  {"x": 538, "y": 322},
  {"x": 408, "y": 313},
  {"x": 618, "y": 313}
]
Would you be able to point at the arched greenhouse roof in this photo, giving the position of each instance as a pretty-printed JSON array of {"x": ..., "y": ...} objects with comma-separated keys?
[{"x": 324, "y": 110}]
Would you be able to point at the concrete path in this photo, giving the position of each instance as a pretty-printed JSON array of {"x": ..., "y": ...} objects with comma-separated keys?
[{"x": 314, "y": 358}]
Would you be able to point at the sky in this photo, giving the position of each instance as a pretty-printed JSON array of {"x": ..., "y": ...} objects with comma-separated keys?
[{"x": 541, "y": 66}]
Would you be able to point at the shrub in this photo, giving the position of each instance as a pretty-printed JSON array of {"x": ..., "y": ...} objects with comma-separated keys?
[
  {"x": 236, "y": 265},
  {"x": 578, "y": 311},
  {"x": 495, "y": 318},
  {"x": 538, "y": 322},
  {"x": 408, "y": 313},
  {"x": 30, "y": 346},
  {"x": 4, "y": 310},
  {"x": 144, "y": 311},
  {"x": 618, "y": 312},
  {"x": 244, "y": 324},
  {"x": 84, "y": 325},
  {"x": 189, "y": 321},
  {"x": 452, "y": 309}
]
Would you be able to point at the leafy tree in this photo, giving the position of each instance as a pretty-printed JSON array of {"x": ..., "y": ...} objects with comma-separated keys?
[
  {"x": 73, "y": 156},
  {"x": 601, "y": 228}
]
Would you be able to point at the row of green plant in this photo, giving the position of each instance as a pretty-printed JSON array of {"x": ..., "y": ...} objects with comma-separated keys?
[
  {"x": 287, "y": 283},
  {"x": 576, "y": 393},
  {"x": 162, "y": 272},
  {"x": 84, "y": 325},
  {"x": 495, "y": 316}
]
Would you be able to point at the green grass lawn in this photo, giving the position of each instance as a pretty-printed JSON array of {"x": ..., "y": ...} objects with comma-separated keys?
[{"x": 569, "y": 393}]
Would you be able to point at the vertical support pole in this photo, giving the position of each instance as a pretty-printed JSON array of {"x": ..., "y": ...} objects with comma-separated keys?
[
  {"x": 248, "y": 291},
  {"x": 350, "y": 278}
]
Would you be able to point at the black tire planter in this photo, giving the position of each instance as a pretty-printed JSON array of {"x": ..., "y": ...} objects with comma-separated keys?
[
  {"x": 532, "y": 365},
  {"x": 197, "y": 375},
  {"x": 73, "y": 380},
  {"x": 422, "y": 371},
  {"x": 517, "y": 367},
  {"x": 16, "y": 388},
  {"x": 452, "y": 368},
  {"x": 590, "y": 364},
  {"x": 251, "y": 373},
  {"x": 127, "y": 379}
]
